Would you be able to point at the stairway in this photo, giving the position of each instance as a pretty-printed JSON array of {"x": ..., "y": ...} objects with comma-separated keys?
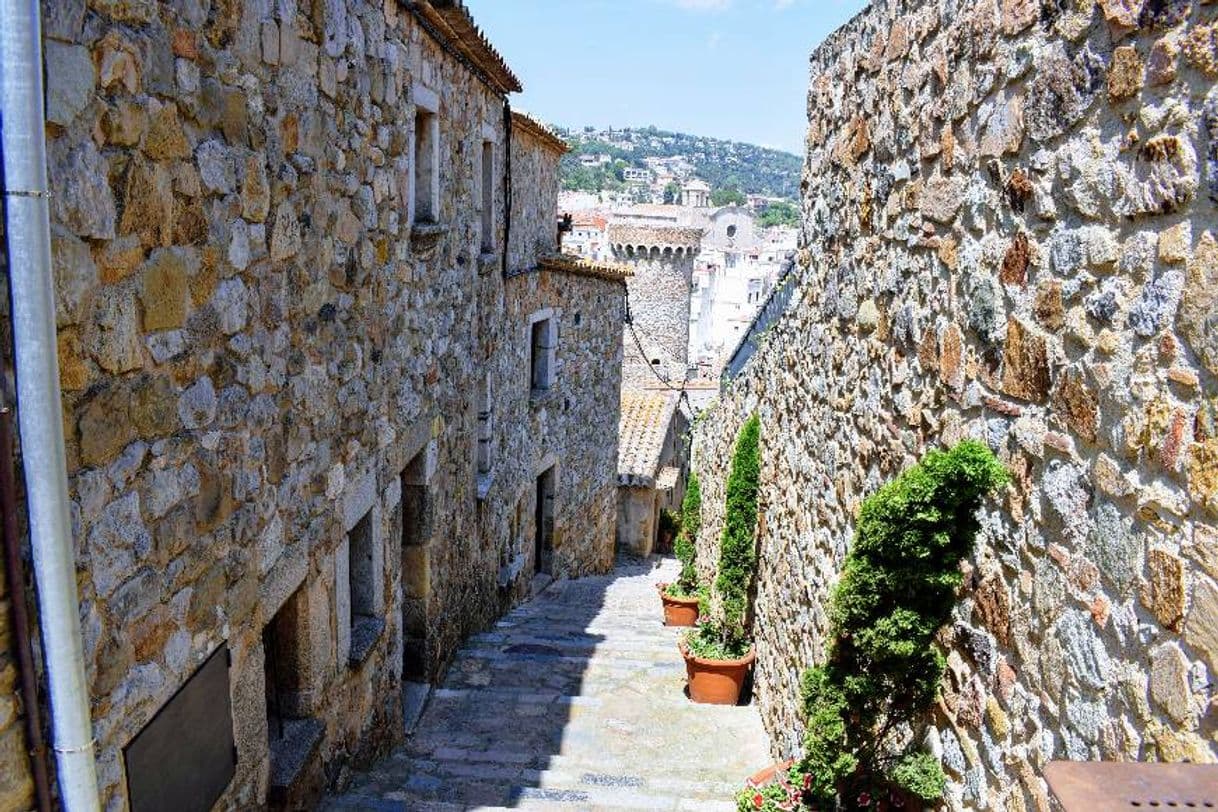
[{"x": 574, "y": 701}]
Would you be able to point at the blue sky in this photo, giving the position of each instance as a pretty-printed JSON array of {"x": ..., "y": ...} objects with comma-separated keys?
[{"x": 733, "y": 69}]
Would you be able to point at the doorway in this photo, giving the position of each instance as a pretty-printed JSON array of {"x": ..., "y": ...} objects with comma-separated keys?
[
  {"x": 543, "y": 524},
  {"x": 416, "y": 563}
]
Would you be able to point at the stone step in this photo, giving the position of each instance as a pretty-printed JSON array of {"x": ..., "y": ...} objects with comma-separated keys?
[{"x": 490, "y": 788}]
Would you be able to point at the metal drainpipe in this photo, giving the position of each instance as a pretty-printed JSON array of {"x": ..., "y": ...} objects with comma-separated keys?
[{"x": 40, "y": 412}]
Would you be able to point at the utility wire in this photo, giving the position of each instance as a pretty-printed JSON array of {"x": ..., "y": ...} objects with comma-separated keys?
[{"x": 684, "y": 396}]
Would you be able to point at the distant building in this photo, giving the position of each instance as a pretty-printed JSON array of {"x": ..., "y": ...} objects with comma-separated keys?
[
  {"x": 634, "y": 175},
  {"x": 696, "y": 195}
]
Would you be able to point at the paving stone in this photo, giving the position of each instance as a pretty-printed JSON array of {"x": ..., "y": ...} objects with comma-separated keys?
[{"x": 560, "y": 708}]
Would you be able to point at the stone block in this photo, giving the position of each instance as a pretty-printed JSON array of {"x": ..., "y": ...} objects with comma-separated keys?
[
  {"x": 1164, "y": 593},
  {"x": 165, "y": 291},
  {"x": 416, "y": 572},
  {"x": 1125, "y": 73},
  {"x": 83, "y": 202},
  {"x": 1203, "y": 474},
  {"x": 1075, "y": 401},
  {"x": 165, "y": 139},
  {"x": 1199, "y": 305},
  {"x": 1026, "y": 372},
  {"x": 1201, "y": 628},
  {"x": 1169, "y": 683},
  {"x": 71, "y": 85}
]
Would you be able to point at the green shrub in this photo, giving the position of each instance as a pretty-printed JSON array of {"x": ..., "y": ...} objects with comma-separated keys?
[
  {"x": 897, "y": 589},
  {"x": 670, "y": 523},
  {"x": 685, "y": 546},
  {"x": 724, "y": 635}
]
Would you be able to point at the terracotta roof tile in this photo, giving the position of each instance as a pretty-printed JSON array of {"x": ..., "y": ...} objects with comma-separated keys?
[
  {"x": 645, "y": 419},
  {"x": 540, "y": 131},
  {"x": 453, "y": 21},
  {"x": 620, "y": 233},
  {"x": 578, "y": 266}
]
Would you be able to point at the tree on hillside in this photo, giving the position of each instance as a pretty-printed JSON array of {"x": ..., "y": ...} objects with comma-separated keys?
[
  {"x": 672, "y": 193},
  {"x": 780, "y": 213},
  {"x": 727, "y": 196}
]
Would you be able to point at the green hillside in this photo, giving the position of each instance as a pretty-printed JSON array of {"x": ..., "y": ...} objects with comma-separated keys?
[{"x": 730, "y": 167}]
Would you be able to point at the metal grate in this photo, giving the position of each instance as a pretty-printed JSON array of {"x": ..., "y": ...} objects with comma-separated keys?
[{"x": 1113, "y": 786}]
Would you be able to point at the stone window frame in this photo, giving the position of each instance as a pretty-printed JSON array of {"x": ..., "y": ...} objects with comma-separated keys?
[
  {"x": 488, "y": 193},
  {"x": 485, "y": 440},
  {"x": 427, "y": 112},
  {"x": 543, "y": 370},
  {"x": 360, "y": 622}
]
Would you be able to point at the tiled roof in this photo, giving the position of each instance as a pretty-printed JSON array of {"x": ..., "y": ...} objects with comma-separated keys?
[
  {"x": 452, "y": 21},
  {"x": 646, "y": 416},
  {"x": 654, "y": 235},
  {"x": 578, "y": 266},
  {"x": 667, "y": 480},
  {"x": 540, "y": 131},
  {"x": 586, "y": 218}
]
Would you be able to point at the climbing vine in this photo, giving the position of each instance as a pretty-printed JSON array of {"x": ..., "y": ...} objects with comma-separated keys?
[
  {"x": 898, "y": 587},
  {"x": 725, "y": 636}
]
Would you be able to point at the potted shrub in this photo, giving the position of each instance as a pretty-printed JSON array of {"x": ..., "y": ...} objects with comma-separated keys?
[
  {"x": 883, "y": 669},
  {"x": 681, "y": 597},
  {"x": 718, "y": 654}
]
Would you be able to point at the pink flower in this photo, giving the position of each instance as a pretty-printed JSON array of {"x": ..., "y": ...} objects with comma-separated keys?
[
  {"x": 865, "y": 799},
  {"x": 807, "y": 782},
  {"x": 758, "y": 801}
]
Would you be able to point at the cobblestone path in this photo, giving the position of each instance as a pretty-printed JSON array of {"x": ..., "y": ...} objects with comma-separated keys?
[{"x": 574, "y": 701}]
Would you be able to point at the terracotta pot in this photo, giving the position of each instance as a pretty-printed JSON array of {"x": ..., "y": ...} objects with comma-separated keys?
[
  {"x": 716, "y": 682},
  {"x": 762, "y": 778},
  {"x": 678, "y": 611}
]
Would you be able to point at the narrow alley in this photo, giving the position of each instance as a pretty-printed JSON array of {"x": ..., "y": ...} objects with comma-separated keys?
[{"x": 574, "y": 701}]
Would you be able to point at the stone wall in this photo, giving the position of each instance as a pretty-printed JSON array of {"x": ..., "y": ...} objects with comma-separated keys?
[
  {"x": 1009, "y": 234},
  {"x": 258, "y": 350},
  {"x": 17, "y": 791}
]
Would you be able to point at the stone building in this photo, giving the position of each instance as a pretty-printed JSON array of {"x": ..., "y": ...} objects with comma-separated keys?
[
  {"x": 1009, "y": 233},
  {"x": 652, "y": 465},
  {"x": 330, "y": 408}
]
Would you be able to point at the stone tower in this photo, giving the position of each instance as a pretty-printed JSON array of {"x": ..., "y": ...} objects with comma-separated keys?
[{"x": 662, "y": 258}]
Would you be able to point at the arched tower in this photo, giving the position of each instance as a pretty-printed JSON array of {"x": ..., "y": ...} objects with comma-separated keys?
[{"x": 662, "y": 258}]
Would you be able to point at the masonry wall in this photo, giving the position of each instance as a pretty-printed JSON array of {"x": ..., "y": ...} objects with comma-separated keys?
[
  {"x": 17, "y": 791},
  {"x": 258, "y": 350},
  {"x": 1009, "y": 234}
]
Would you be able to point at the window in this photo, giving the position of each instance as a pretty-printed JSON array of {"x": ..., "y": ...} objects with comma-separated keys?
[
  {"x": 485, "y": 428},
  {"x": 542, "y": 345},
  {"x": 731, "y": 231},
  {"x": 426, "y": 166},
  {"x": 488, "y": 196},
  {"x": 365, "y": 565},
  {"x": 543, "y": 523}
]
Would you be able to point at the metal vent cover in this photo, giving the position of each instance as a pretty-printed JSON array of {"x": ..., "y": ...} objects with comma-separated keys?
[
  {"x": 184, "y": 758},
  {"x": 1122, "y": 786}
]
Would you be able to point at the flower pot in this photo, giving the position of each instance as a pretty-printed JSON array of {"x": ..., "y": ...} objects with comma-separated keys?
[
  {"x": 716, "y": 682},
  {"x": 763, "y": 777},
  {"x": 678, "y": 611}
]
